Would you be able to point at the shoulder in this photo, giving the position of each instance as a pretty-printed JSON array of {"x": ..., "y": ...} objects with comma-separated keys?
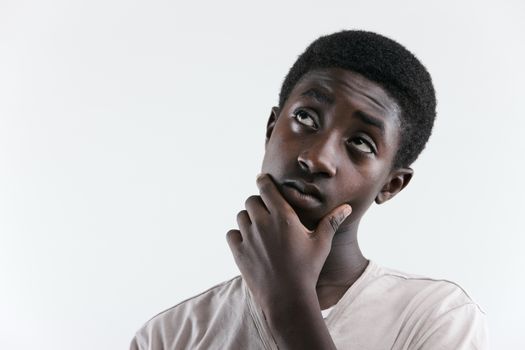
[
  {"x": 231, "y": 288},
  {"x": 204, "y": 302},
  {"x": 445, "y": 295},
  {"x": 178, "y": 321},
  {"x": 438, "y": 312}
]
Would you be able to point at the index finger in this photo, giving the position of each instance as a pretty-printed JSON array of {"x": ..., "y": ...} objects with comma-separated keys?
[{"x": 270, "y": 194}]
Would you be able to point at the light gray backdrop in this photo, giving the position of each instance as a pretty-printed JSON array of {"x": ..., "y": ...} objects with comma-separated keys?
[{"x": 131, "y": 133}]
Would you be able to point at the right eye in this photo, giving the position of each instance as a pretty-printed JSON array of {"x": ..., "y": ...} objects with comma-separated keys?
[
  {"x": 305, "y": 118},
  {"x": 362, "y": 145}
]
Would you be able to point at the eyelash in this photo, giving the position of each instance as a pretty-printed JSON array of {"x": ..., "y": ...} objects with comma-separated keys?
[
  {"x": 366, "y": 142},
  {"x": 302, "y": 112}
]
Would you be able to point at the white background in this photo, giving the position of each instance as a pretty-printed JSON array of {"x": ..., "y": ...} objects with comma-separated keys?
[{"x": 131, "y": 133}]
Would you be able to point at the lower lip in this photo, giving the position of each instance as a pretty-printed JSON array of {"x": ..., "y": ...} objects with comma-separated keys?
[{"x": 300, "y": 199}]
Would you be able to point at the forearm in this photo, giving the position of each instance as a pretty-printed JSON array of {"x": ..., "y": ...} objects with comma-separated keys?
[{"x": 298, "y": 324}]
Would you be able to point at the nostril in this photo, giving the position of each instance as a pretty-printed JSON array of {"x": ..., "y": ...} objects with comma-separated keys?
[
  {"x": 303, "y": 164},
  {"x": 317, "y": 163}
]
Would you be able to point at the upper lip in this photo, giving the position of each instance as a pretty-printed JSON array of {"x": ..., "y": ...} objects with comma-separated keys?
[{"x": 305, "y": 188}]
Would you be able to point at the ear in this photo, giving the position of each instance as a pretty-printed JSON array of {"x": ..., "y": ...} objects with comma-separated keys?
[
  {"x": 274, "y": 114},
  {"x": 397, "y": 180}
]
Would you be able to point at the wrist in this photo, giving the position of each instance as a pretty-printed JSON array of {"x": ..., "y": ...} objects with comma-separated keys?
[
  {"x": 297, "y": 323},
  {"x": 282, "y": 310}
]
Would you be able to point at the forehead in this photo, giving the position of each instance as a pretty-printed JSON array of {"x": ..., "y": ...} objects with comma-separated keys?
[{"x": 332, "y": 85}]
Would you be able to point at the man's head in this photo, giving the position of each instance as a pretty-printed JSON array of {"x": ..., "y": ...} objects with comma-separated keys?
[
  {"x": 355, "y": 111},
  {"x": 385, "y": 62}
]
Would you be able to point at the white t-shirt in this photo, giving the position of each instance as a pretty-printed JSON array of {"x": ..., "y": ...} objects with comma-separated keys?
[
  {"x": 327, "y": 311},
  {"x": 383, "y": 309}
]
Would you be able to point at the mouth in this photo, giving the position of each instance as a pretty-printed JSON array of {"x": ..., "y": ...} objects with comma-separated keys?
[{"x": 302, "y": 194}]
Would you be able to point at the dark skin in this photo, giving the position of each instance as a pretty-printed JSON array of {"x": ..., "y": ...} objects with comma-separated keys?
[{"x": 328, "y": 157}]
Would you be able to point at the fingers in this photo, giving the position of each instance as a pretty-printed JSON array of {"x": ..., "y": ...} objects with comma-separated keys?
[
  {"x": 254, "y": 208},
  {"x": 331, "y": 222},
  {"x": 255, "y": 205},
  {"x": 243, "y": 220},
  {"x": 270, "y": 194},
  {"x": 256, "y": 211},
  {"x": 234, "y": 239}
]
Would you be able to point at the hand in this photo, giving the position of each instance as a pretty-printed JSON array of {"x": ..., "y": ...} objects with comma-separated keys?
[{"x": 279, "y": 258}]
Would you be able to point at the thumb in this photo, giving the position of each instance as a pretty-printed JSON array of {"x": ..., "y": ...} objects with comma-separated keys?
[{"x": 330, "y": 223}]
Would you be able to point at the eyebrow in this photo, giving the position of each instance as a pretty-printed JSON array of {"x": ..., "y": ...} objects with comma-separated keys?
[
  {"x": 368, "y": 119},
  {"x": 327, "y": 99},
  {"x": 318, "y": 95}
]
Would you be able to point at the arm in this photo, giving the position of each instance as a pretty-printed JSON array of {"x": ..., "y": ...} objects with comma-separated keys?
[
  {"x": 298, "y": 324},
  {"x": 281, "y": 260}
]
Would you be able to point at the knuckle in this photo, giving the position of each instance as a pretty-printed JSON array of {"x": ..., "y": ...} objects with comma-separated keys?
[
  {"x": 251, "y": 200},
  {"x": 233, "y": 237},
  {"x": 265, "y": 184},
  {"x": 334, "y": 222},
  {"x": 241, "y": 214},
  {"x": 286, "y": 221},
  {"x": 288, "y": 212},
  {"x": 261, "y": 179}
]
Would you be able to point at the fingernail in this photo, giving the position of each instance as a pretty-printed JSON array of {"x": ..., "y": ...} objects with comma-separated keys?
[
  {"x": 259, "y": 176},
  {"x": 348, "y": 210}
]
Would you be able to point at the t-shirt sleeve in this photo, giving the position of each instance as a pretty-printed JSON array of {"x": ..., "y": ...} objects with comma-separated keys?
[
  {"x": 461, "y": 328},
  {"x": 135, "y": 344}
]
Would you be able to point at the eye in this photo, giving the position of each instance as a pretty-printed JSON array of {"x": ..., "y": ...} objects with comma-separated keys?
[
  {"x": 362, "y": 145},
  {"x": 304, "y": 118}
]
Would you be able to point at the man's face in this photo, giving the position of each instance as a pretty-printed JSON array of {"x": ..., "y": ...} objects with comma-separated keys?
[{"x": 335, "y": 139}]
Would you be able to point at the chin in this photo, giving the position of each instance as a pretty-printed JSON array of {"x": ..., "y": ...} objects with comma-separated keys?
[{"x": 308, "y": 219}]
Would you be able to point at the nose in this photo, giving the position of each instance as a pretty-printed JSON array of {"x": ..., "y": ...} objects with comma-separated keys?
[{"x": 320, "y": 158}]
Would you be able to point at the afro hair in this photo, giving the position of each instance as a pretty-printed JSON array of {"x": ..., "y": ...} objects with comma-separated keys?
[{"x": 385, "y": 62}]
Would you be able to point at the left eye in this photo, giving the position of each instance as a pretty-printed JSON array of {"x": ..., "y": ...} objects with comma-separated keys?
[
  {"x": 362, "y": 145},
  {"x": 304, "y": 118}
]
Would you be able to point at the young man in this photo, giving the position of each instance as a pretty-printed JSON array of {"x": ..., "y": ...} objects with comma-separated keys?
[{"x": 355, "y": 111}]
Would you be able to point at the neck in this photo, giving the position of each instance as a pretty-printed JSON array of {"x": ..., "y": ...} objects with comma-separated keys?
[{"x": 343, "y": 266}]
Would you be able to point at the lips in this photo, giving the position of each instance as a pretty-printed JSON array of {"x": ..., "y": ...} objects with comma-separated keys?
[{"x": 305, "y": 188}]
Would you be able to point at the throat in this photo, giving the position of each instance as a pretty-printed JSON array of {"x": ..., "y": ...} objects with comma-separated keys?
[
  {"x": 329, "y": 294},
  {"x": 343, "y": 266}
]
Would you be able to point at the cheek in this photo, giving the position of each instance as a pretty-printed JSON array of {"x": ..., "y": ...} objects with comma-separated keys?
[
  {"x": 277, "y": 155},
  {"x": 360, "y": 188},
  {"x": 282, "y": 144}
]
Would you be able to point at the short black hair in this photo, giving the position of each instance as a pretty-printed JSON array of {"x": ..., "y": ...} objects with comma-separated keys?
[{"x": 385, "y": 62}]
